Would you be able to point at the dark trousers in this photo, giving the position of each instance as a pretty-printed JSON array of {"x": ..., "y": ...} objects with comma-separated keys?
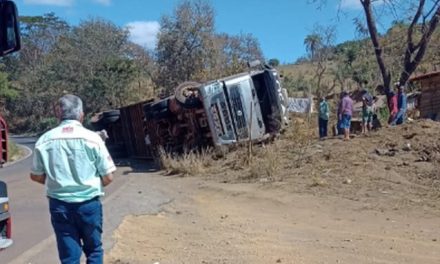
[
  {"x": 78, "y": 227},
  {"x": 322, "y": 127}
]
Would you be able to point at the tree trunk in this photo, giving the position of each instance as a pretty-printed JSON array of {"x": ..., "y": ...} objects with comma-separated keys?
[
  {"x": 371, "y": 23},
  {"x": 414, "y": 53}
]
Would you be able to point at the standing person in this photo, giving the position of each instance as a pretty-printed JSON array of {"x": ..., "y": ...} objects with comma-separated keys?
[
  {"x": 392, "y": 104},
  {"x": 339, "y": 129},
  {"x": 74, "y": 164},
  {"x": 345, "y": 114},
  {"x": 324, "y": 114},
  {"x": 401, "y": 107},
  {"x": 367, "y": 111}
]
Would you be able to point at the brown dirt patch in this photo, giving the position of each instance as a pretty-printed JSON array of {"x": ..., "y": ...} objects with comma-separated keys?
[{"x": 374, "y": 199}]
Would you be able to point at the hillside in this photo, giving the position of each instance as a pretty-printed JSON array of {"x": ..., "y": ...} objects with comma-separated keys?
[{"x": 352, "y": 64}]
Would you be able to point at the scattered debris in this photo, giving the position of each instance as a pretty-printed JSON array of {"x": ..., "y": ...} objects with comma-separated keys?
[
  {"x": 409, "y": 136},
  {"x": 407, "y": 147},
  {"x": 347, "y": 181},
  {"x": 386, "y": 152}
]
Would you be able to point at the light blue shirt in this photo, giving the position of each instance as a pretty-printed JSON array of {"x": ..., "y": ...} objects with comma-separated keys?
[
  {"x": 324, "y": 111},
  {"x": 73, "y": 159}
]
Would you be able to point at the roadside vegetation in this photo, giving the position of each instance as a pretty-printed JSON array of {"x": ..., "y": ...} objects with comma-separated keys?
[
  {"x": 97, "y": 61},
  {"x": 14, "y": 151}
]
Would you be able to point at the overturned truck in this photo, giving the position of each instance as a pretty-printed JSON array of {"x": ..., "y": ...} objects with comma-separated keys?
[{"x": 243, "y": 107}]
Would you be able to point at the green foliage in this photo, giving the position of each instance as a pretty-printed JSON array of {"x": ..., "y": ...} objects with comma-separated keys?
[
  {"x": 383, "y": 114},
  {"x": 14, "y": 152},
  {"x": 6, "y": 91},
  {"x": 96, "y": 61},
  {"x": 234, "y": 52},
  {"x": 296, "y": 84},
  {"x": 185, "y": 45},
  {"x": 46, "y": 124},
  {"x": 189, "y": 49},
  {"x": 354, "y": 64},
  {"x": 313, "y": 43}
]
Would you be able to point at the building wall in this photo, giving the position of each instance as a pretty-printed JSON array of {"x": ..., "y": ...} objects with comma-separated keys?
[{"x": 430, "y": 98}]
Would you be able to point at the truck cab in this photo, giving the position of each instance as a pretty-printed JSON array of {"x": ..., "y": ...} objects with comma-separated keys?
[
  {"x": 243, "y": 107},
  {"x": 9, "y": 42}
]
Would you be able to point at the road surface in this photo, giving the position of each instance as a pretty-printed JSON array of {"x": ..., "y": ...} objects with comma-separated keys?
[{"x": 28, "y": 205}]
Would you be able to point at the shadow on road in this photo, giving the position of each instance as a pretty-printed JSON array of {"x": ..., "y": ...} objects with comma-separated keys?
[{"x": 137, "y": 165}]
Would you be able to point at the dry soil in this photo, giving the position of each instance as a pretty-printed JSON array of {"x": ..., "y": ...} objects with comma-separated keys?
[{"x": 374, "y": 199}]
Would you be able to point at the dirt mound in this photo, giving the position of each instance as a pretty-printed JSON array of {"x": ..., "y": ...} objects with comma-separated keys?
[{"x": 394, "y": 167}]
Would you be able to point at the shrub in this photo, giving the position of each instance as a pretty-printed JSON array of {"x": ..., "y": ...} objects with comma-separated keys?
[{"x": 191, "y": 163}]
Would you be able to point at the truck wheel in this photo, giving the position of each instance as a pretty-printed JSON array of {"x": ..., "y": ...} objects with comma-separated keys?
[
  {"x": 187, "y": 94},
  {"x": 109, "y": 117}
]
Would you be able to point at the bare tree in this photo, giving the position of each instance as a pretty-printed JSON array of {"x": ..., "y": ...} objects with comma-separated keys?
[
  {"x": 423, "y": 23},
  {"x": 418, "y": 34},
  {"x": 319, "y": 45}
]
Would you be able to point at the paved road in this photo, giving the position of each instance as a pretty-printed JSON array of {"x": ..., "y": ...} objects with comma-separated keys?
[
  {"x": 29, "y": 207},
  {"x": 30, "y": 220}
]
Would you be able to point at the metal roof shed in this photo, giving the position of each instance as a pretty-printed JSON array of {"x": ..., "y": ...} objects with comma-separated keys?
[{"x": 429, "y": 105}]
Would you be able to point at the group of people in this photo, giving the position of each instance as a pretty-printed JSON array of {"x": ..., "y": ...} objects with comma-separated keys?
[
  {"x": 397, "y": 107},
  {"x": 74, "y": 164}
]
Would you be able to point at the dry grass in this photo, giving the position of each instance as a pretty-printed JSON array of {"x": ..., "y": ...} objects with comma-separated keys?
[
  {"x": 14, "y": 152},
  {"x": 298, "y": 139},
  {"x": 268, "y": 162},
  {"x": 265, "y": 163},
  {"x": 192, "y": 163}
]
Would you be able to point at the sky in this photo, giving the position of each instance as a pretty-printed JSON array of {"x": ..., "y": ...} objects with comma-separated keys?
[{"x": 279, "y": 25}]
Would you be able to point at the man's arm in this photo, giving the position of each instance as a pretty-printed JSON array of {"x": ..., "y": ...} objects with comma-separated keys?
[
  {"x": 104, "y": 164},
  {"x": 38, "y": 178},
  {"x": 107, "y": 179},
  {"x": 37, "y": 171}
]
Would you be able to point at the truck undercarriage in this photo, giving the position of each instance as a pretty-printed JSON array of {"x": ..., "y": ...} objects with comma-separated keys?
[{"x": 239, "y": 108}]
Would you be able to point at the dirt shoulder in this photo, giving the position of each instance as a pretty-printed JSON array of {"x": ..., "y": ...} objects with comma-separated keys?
[
  {"x": 211, "y": 222},
  {"x": 371, "y": 200}
]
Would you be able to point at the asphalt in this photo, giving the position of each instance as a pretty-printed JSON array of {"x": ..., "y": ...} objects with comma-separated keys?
[{"x": 132, "y": 192}]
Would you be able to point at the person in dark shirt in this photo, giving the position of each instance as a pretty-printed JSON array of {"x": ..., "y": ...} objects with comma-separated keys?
[
  {"x": 324, "y": 113},
  {"x": 367, "y": 111},
  {"x": 392, "y": 104},
  {"x": 401, "y": 107},
  {"x": 345, "y": 114}
]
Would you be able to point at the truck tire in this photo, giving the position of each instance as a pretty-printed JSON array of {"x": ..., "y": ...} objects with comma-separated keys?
[
  {"x": 187, "y": 94},
  {"x": 109, "y": 117}
]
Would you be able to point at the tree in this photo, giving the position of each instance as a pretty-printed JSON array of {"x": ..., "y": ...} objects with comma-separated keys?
[
  {"x": 27, "y": 69},
  {"x": 93, "y": 61},
  {"x": 423, "y": 22},
  {"x": 185, "y": 48},
  {"x": 234, "y": 52},
  {"x": 319, "y": 45},
  {"x": 143, "y": 67},
  {"x": 415, "y": 49},
  {"x": 6, "y": 91},
  {"x": 312, "y": 42}
]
